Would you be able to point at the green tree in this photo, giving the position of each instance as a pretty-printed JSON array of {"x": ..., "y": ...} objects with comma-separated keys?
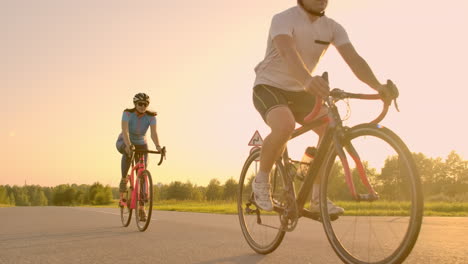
[
  {"x": 12, "y": 199},
  {"x": 395, "y": 184},
  {"x": 48, "y": 192},
  {"x": 179, "y": 191},
  {"x": 230, "y": 190},
  {"x": 198, "y": 193},
  {"x": 4, "y": 199},
  {"x": 98, "y": 194},
  {"x": 163, "y": 193},
  {"x": 455, "y": 169},
  {"x": 37, "y": 196},
  {"x": 214, "y": 191},
  {"x": 337, "y": 183},
  {"x": 157, "y": 192},
  {"x": 21, "y": 196},
  {"x": 64, "y": 195},
  {"x": 104, "y": 196}
]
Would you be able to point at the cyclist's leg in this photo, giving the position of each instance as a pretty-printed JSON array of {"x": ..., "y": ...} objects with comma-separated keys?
[
  {"x": 273, "y": 107},
  {"x": 281, "y": 122},
  {"x": 124, "y": 166}
]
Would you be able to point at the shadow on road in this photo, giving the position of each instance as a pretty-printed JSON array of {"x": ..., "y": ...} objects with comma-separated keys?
[{"x": 242, "y": 259}]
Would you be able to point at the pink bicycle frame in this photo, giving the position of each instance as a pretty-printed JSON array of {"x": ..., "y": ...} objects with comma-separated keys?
[{"x": 138, "y": 168}]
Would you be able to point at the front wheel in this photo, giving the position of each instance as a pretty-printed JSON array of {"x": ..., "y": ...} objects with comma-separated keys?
[
  {"x": 381, "y": 230},
  {"x": 125, "y": 210},
  {"x": 261, "y": 229},
  {"x": 144, "y": 200}
]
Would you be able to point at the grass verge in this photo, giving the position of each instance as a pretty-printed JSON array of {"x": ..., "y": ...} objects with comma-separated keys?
[{"x": 378, "y": 208}]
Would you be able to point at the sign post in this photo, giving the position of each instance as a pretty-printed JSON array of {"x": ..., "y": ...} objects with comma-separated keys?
[{"x": 256, "y": 142}]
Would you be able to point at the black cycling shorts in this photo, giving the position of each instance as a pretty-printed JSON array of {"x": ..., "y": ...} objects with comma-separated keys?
[{"x": 266, "y": 98}]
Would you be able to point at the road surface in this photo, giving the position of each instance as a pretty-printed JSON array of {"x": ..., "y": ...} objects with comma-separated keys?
[{"x": 94, "y": 235}]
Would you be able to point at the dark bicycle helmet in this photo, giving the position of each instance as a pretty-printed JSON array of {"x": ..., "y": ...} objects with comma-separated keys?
[{"x": 141, "y": 97}]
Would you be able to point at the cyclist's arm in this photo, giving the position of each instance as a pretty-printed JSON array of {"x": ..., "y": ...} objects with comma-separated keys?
[
  {"x": 287, "y": 49},
  {"x": 154, "y": 135},
  {"x": 359, "y": 66},
  {"x": 297, "y": 68},
  {"x": 125, "y": 133}
]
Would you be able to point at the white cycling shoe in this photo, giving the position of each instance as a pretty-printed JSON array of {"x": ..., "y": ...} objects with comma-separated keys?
[
  {"x": 262, "y": 195},
  {"x": 333, "y": 209}
]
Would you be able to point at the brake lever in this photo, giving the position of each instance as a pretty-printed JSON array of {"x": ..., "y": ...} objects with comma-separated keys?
[
  {"x": 396, "y": 105},
  {"x": 395, "y": 93}
]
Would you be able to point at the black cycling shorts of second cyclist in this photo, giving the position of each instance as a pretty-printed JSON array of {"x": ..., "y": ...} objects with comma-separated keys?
[{"x": 266, "y": 98}]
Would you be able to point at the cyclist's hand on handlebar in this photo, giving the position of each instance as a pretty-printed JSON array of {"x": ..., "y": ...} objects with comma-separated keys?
[
  {"x": 128, "y": 150},
  {"x": 388, "y": 91},
  {"x": 317, "y": 85},
  {"x": 158, "y": 148}
]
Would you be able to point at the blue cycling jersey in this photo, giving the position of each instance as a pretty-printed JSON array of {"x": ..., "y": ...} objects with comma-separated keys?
[{"x": 138, "y": 124}]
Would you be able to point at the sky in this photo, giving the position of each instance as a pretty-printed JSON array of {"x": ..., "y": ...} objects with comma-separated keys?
[{"x": 69, "y": 68}]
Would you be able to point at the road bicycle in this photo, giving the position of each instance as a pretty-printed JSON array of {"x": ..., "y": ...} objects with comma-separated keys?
[
  {"x": 381, "y": 193},
  {"x": 139, "y": 192}
]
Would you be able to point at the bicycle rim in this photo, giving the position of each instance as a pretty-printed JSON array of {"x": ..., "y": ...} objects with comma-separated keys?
[
  {"x": 126, "y": 211},
  {"x": 145, "y": 200},
  {"x": 261, "y": 229},
  {"x": 381, "y": 231}
]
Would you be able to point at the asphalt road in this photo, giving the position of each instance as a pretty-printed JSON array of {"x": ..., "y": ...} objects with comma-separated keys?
[{"x": 94, "y": 235}]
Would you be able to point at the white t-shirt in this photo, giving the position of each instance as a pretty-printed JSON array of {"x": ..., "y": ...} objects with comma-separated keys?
[{"x": 312, "y": 40}]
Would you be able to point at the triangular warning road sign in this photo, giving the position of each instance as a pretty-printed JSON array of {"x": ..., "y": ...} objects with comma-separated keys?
[{"x": 256, "y": 139}]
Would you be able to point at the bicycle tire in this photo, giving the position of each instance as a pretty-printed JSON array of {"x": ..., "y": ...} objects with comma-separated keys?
[
  {"x": 126, "y": 211},
  {"x": 410, "y": 189},
  {"x": 144, "y": 198},
  {"x": 246, "y": 218}
]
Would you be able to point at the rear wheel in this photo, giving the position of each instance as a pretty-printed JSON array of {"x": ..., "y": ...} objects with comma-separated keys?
[
  {"x": 373, "y": 231},
  {"x": 144, "y": 200},
  {"x": 262, "y": 229}
]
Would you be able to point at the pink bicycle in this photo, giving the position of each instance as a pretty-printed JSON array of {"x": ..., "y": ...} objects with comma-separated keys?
[{"x": 139, "y": 192}]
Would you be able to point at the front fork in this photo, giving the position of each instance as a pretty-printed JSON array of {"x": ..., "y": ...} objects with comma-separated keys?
[{"x": 340, "y": 142}]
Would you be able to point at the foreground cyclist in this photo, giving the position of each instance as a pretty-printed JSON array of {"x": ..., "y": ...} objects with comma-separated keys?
[
  {"x": 284, "y": 89},
  {"x": 135, "y": 124}
]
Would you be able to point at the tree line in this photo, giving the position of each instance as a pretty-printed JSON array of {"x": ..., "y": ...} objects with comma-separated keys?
[
  {"x": 442, "y": 180},
  {"x": 97, "y": 194},
  {"x": 62, "y": 195}
]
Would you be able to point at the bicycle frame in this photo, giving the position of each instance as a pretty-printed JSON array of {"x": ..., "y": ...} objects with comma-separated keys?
[
  {"x": 333, "y": 137},
  {"x": 137, "y": 167},
  {"x": 314, "y": 167}
]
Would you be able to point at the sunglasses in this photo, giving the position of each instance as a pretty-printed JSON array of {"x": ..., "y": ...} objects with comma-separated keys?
[{"x": 142, "y": 104}]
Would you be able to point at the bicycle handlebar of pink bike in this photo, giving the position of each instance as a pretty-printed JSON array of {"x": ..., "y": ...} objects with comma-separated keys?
[
  {"x": 338, "y": 94},
  {"x": 162, "y": 152}
]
